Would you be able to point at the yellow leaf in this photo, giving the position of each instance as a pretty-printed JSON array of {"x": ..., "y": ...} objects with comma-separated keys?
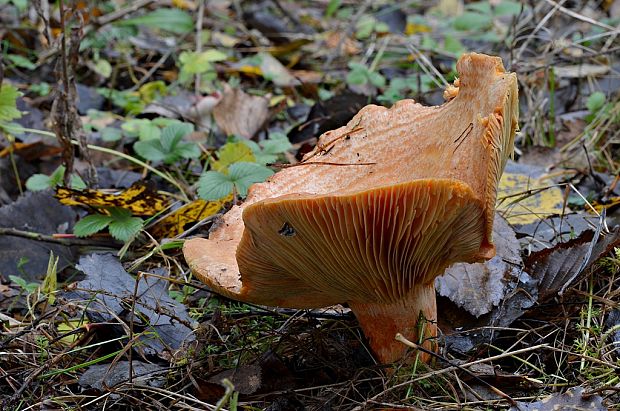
[
  {"x": 175, "y": 223},
  {"x": 523, "y": 199},
  {"x": 140, "y": 199}
]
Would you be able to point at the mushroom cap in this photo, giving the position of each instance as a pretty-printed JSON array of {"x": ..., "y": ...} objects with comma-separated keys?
[{"x": 380, "y": 206}]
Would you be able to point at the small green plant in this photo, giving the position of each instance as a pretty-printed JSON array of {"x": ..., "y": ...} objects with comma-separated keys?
[
  {"x": 192, "y": 63},
  {"x": 119, "y": 222},
  {"x": 169, "y": 147},
  {"x": 8, "y": 106},
  {"x": 367, "y": 25},
  {"x": 480, "y": 16},
  {"x": 361, "y": 75},
  {"x": 133, "y": 102},
  {"x": 38, "y": 182},
  {"x": 596, "y": 104},
  {"x": 25, "y": 286},
  {"x": 237, "y": 178},
  {"x": 269, "y": 150}
]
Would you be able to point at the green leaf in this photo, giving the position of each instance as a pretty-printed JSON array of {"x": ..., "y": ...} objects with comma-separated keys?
[
  {"x": 365, "y": 27},
  {"x": 276, "y": 146},
  {"x": 453, "y": 45},
  {"x": 125, "y": 228},
  {"x": 57, "y": 176},
  {"x": 214, "y": 185},
  {"x": 103, "y": 68},
  {"x": 148, "y": 131},
  {"x": 196, "y": 63},
  {"x": 38, "y": 182},
  {"x": 111, "y": 134},
  {"x": 470, "y": 21},
  {"x": 507, "y": 8},
  {"x": 20, "y": 61},
  {"x": 358, "y": 77},
  {"x": 91, "y": 224},
  {"x": 150, "y": 150},
  {"x": 8, "y": 97},
  {"x": 232, "y": 153},
  {"x": 77, "y": 183},
  {"x": 245, "y": 174},
  {"x": 331, "y": 8},
  {"x": 173, "y": 134},
  {"x": 187, "y": 150},
  {"x": 169, "y": 19},
  {"x": 596, "y": 101},
  {"x": 376, "y": 79}
]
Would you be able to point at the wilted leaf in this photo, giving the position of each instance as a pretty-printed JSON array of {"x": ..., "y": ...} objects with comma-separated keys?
[
  {"x": 480, "y": 287},
  {"x": 523, "y": 197},
  {"x": 176, "y": 222},
  {"x": 107, "y": 288},
  {"x": 240, "y": 114},
  {"x": 557, "y": 268},
  {"x": 140, "y": 199},
  {"x": 107, "y": 376},
  {"x": 35, "y": 212},
  {"x": 573, "y": 399}
]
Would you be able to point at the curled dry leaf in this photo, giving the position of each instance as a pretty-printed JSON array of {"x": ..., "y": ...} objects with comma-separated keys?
[
  {"x": 479, "y": 287},
  {"x": 240, "y": 114},
  {"x": 558, "y": 267}
]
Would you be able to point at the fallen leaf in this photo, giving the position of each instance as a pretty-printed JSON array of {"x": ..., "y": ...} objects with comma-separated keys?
[
  {"x": 40, "y": 213},
  {"x": 108, "y": 293},
  {"x": 581, "y": 70},
  {"x": 572, "y": 399},
  {"x": 548, "y": 232},
  {"x": 480, "y": 287},
  {"x": 104, "y": 377},
  {"x": 558, "y": 267},
  {"x": 140, "y": 198},
  {"x": 177, "y": 222},
  {"x": 524, "y": 196},
  {"x": 240, "y": 114}
]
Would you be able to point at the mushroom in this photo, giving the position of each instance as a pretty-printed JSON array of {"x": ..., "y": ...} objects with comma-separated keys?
[{"x": 375, "y": 212}]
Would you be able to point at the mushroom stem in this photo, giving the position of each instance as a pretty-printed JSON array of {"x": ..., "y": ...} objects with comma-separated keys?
[{"x": 414, "y": 316}]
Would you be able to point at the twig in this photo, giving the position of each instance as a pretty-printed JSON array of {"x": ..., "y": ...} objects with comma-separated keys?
[
  {"x": 52, "y": 239},
  {"x": 199, "y": 20}
]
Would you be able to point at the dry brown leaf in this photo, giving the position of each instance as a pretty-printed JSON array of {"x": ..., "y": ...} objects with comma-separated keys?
[{"x": 241, "y": 114}]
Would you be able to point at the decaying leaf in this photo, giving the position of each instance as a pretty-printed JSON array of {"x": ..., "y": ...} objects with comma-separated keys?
[
  {"x": 479, "y": 287},
  {"x": 239, "y": 113},
  {"x": 548, "y": 232},
  {"x": 558, "y": 267},
  {"x": 523, "y": 197},
  {"x": 140, "y": 198},
  {"x": 176, "y": 222},
  {"x": 107, "y": 293},
  {"x": 106, "y": 376},
  {"x": 573, "y": 399},
  {"x": 38, "y": 213}
]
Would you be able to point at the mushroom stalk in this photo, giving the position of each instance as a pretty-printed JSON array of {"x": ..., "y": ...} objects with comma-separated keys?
[{"x": 414, "y": 316}]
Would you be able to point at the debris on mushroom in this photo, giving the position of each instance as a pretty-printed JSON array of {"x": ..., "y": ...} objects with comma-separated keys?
[{"x": 375, "y": 212}]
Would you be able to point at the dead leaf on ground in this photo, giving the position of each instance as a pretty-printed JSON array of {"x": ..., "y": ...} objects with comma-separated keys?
[
  {"x": 550, "y": 231},
  {"x": 177, "y": 222},
  {"x": 480, "y": 287},
  {"x": 241, "y": 114},
  {"x": 107, "y": 293},
  {"x": 558, "y": 267},
  {"x": 525, "y": 196},
  {"x": 38, "y": 213},
  {"x": 140, "y": 198},
  {"x": 573, "y": 399},
  {"x": 349, "y": 46},
  {"x": 103, "y": 377}
]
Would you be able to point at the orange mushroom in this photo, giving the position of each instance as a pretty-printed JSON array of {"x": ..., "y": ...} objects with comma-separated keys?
[{"x": 379, "y": 209}]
